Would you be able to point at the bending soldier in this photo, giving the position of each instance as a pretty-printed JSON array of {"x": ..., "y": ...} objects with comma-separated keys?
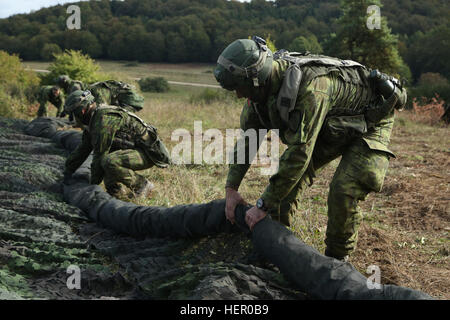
[
  {"x": 121, "y": 143},
  {"x": 53, "y": 95},
  {"x": 69, "y": 85},
  {"x": 324, "y": 108},
  {"x": 117, "y": 93}
]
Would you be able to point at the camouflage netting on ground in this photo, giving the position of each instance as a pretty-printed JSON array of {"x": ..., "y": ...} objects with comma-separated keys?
[
  {"x": 183, "y": 252},
  {"x": 41, "y": 235}
]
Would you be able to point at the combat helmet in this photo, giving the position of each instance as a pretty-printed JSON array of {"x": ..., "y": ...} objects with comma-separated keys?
[
  {"x": 244, "y": 62},
  {"x": 63, "y": 79},
  {"x": 77, "y": 101}
]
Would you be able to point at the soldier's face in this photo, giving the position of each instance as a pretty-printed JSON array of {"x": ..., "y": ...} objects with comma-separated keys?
[
  {"x": 254, "y": 94},
  {"x": 56, "y": 93}
]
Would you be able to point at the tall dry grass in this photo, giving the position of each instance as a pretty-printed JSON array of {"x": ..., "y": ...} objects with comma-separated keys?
[{"x": 428, "y": 111}]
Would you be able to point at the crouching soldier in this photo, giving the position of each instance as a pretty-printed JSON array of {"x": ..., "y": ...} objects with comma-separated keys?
[
  {"x": 53, "y": 95},
  {"x": 121, "y": 143}
]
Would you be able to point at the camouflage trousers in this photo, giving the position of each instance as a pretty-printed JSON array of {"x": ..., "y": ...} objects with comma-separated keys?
[
  {"x": 120, "y": 166},
  {"x": 361, "y": 170}
]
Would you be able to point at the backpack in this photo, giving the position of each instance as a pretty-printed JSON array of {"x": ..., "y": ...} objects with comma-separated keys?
[{"x": 117, "y": 93}]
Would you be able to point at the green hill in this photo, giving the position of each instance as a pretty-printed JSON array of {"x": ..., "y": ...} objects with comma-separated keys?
[{"x": 197, "y": 30}]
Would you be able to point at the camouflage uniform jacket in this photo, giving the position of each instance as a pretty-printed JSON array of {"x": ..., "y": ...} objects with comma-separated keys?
[
  {"x": 110, "y": 129},
  {"x": 46, "y": 95},
  {"x": 346, "y": 97}
]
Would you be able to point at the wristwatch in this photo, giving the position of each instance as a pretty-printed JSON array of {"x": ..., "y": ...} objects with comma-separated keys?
[{"x": 260, "y": 204}]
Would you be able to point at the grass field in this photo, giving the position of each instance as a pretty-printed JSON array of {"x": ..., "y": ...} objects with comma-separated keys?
[
  {"x": 186, "y": 72},
  {"x": 405, "y": 231},
  {"x": 406, "y": 227}
]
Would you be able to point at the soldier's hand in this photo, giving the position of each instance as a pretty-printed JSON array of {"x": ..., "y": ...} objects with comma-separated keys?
[
  {"x": 233, "y": 198},
  {"x": 253, "y": 216}
]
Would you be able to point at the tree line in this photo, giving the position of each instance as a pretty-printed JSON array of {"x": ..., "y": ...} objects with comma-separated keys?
[{"x": 198, "y": 30}]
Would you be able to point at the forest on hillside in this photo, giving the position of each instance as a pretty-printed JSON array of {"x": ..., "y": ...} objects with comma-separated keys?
[{"x": 197, "y": 30}]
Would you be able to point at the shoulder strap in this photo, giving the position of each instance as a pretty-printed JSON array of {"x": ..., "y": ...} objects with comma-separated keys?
[{"x": 287, "y": 96}]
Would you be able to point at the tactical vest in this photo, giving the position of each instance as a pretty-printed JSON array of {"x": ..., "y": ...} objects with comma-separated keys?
[
  {"x": 372, "y": 107},
  {"x": 288, "y": 93},
  {"x": 131, "y": 131},
  {"x": 138, "y": 134}
]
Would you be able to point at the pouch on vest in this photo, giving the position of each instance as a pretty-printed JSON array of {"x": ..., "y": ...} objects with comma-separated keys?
[
  {"x": 155, "y": 149},
  {"x": 287, "y": 97},
  {"x": 337, "y": 128}
]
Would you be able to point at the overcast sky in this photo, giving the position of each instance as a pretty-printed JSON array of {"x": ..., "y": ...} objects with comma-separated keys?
[{"x": 10, "y": 7}]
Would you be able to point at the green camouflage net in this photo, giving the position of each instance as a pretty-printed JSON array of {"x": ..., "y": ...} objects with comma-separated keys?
[
  {"x": 41, "y": 235},
  {"x": 135, "y": 252}
]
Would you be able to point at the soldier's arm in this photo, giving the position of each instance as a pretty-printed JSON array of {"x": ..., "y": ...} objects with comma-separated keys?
[
  {"x": 76, "y": 158},
  {"x": 103, "y": 130},
  {"x": 249, "y": 120},
  {"x": 59, "y": 104},
  {"x": 313, "y": 107}
]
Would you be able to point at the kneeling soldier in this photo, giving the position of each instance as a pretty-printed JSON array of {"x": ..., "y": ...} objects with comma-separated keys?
[{"x": 121, "y": 143}]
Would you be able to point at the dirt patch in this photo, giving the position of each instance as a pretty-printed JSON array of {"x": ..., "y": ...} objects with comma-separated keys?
[
  {"x": 408, "y": 236},
  {"x": 405, "y": 231}
]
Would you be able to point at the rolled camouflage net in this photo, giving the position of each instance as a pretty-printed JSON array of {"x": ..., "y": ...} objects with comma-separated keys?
[{"x": 307, "y": 270}]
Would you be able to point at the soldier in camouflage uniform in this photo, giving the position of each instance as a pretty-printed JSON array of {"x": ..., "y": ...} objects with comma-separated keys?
[
  {"x": 53, "y": 95},
  {"x": 69, "y": 85},
  {"x": 121, "y": 143},
  {"x": 117, "y": 93},
  {"x": 323, "y": 108}
]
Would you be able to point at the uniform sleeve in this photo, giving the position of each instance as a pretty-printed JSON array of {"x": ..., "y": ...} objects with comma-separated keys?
[
  {"x": 103, "y": 129},
  {"x": 312, "y": 107},
  {"x": 76, "y": 158},
  {"x": 59, "y": 104},
  {"x": 249, "y": 120}
]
